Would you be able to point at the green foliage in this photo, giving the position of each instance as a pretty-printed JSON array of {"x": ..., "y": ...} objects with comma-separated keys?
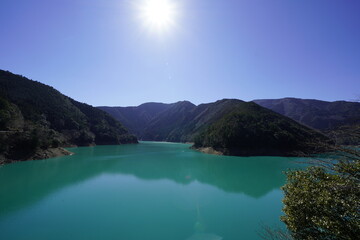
[
  {"x": 346, "y": 134},
  {"x": 39, "y": 102},
  {"x": 5, "y": 115},
  {"x": 324, "y": 203},
  {"x": 177, "y": 122},
  {"x": 171, "y": 125},
  {"x": 36, "y": 116},
  {"x": 105, "y": 128},
  {"x": 137, "y": 119},
  {"x": 252, "y": 130},
  {"x": 10, "y": 116},
  {"x": 231, "y": 126}
]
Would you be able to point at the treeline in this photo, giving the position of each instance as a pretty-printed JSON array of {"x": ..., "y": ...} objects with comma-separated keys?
[{"x": 35, "y": 116}]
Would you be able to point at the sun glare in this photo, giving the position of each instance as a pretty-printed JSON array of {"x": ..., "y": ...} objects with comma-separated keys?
[{"x": 158, "y": 15}]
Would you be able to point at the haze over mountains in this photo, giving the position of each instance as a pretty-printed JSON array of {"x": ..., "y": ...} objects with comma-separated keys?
[
  {"x": 340, "y": 120},
  {"x": 177, "y": 122},
  {"x": 183, "y": 121},
  {"x": 317, "y": 114},
  {"x": 228, "y": 126},
  {"x": 35, "y": 118}
]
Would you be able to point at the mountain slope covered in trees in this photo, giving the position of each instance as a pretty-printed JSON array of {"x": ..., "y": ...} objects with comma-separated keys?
[
  {"x": 317, "y": 114},
  {"x": 136, "y": 119},
  {"x": 339, "y": 120},
  {"x": 250, "y": 129},
  {"x": 176, "y": 122},
  {"x": 229, "y": 126},
  {"x": 35, "y": 118}
]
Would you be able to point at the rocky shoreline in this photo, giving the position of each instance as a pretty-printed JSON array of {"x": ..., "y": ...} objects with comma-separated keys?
[
  {"x": 40, "y": 154},
  {"x": 208, "y": 150}
]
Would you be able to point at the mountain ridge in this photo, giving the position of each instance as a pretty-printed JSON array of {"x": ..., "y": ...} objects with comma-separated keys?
[
  {"x": 36, "y": 120},
  {"x": 186, "y": 122},
  {"x": 318, "y": 114},
  {"x": 339, "y": 120}
]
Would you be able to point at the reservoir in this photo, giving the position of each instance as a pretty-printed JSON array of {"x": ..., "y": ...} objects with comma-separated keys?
[{"x": 145, "y": 191}]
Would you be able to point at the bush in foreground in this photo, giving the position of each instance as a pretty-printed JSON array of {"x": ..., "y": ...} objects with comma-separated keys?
[{"x": 323, "y": 201}]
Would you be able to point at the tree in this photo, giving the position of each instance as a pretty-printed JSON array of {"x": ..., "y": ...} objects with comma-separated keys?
[{"x": 323, "y": 201}]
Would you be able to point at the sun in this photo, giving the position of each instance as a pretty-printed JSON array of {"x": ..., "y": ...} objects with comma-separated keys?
[{"x": 158, "y": 15}]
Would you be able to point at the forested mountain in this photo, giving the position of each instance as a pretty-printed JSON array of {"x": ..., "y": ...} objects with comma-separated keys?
[
  {"x": 229, "y": 126},
  {"x": 35, "y": 118},
  {"x": 339, "y": 120},
  {"x": 136, "y": 119},
  {"x": 250, "y": 129},
  {"x": 317, "y": 114},
  {"x": 177, "y": 122}
]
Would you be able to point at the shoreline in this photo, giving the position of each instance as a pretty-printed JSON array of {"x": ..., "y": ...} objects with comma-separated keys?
[
  {"x": 40, "y": 155},
  {"x": 208, "y": 150},
  {"x": 188, "y": 143}
]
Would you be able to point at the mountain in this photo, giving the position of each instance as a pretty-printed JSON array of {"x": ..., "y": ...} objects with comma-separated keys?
[
  {"x": 176, "y": 122},
  {"x": 135, "y": 119},
  {"x": 36, "y": 119},
  {"x": 316, "y": 114},
  {"x": 348, "y": 134},
  {"x": 228, "y": 126},
  {"x": 250, "y": 129},
  {"x": 339, "y": 120},
  {"x": 170, "y": 125}
]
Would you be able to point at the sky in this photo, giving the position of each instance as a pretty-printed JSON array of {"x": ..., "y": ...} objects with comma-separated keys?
[{"x": 105, "y": 53}]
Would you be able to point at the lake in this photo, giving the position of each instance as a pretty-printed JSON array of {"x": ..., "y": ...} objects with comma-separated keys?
[{"x": 160, "y": 191}]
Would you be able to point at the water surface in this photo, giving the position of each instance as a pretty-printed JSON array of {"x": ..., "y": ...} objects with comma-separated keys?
[{"x": 159, "y": 191}]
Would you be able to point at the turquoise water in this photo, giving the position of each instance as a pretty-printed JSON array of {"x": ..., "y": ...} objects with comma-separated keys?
[{"x": 159, "y": 191}]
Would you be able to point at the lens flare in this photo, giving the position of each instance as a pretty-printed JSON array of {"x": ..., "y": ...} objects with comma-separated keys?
[{"x": 158, "y": 15}]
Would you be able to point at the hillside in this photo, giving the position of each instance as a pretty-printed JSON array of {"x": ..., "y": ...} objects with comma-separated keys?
[
  {"x": 348, "y": 134},
  {"x": 316, "y": 114},
  {"x": 36, "y": 119},
  {"x": 136, "y": 119},
  {"x": 170, "y": 125},
  {"x": 176, "y": 122},
  {"x": 185, "y": 120},
  {"x": 250, "y": 129},
  {"x": 229, "y": 126}
]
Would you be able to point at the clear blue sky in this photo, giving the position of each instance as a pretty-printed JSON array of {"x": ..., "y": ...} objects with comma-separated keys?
[{"x": 98, "y": 52}]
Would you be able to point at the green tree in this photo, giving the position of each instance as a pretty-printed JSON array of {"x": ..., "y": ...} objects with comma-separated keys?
[{"x": 323, "y": 201}]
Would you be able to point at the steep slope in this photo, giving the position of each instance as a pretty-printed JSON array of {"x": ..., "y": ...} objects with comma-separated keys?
[
  {"x": 250, "y": 129},
  {"x": 184, "y": 120},
  {"x": 136, "y": 119},
  {"x": 176, "y": 122},
  {"x": 35, "y": 118},
  {"x": 345, "y": 134},
  {"x": 170, "y": 124},
  {"x": 232, "y": 127},
  {"x": 317, "y": 114}
]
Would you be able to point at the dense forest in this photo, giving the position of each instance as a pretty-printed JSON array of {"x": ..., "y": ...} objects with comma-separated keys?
[
  {"x": 229, "y": 126},
  {"x": 338, "y": 120},
  {"x": 35, "y": 118},
  {"x": 249, "y": 129}
]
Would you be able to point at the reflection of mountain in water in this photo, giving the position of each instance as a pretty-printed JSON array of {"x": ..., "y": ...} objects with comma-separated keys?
[
  {"x": 25, "y": 183},
  {"x": 253, "y": 176},
  {"x": 28, "y": 182}
]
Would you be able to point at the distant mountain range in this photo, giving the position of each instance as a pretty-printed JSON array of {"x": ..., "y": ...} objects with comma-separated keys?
[
  {"x": 177, "y": 122},
  {"x": 339, "y": 120},
  {"x": 136, "y": 119},
  {"x": 315, "y": 113},
  {"x": 182, "y": 121},
  {"x": 36, "y": 119},
  {"x": 227, "y": 126}
]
